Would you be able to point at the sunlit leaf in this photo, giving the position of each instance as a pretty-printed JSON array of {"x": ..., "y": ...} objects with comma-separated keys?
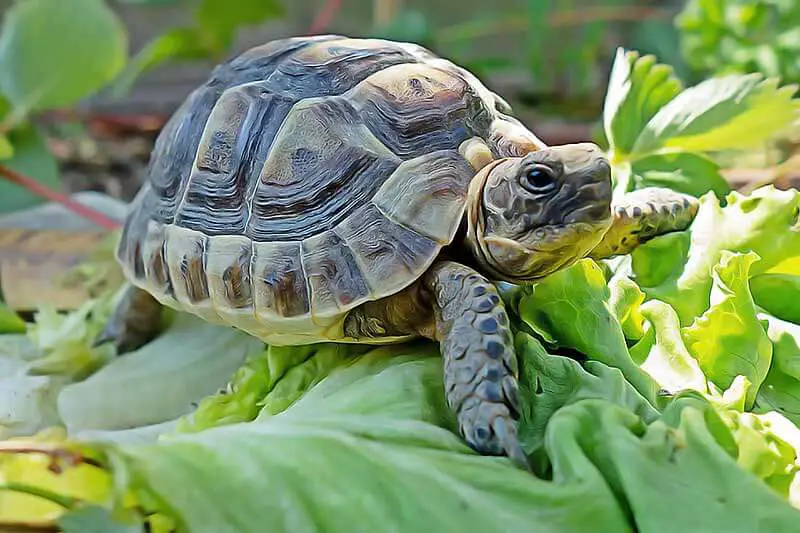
[
  {"x": 764, "y": 222},
  {"x": 736, "y": 111},
  {"x": 638, "y": 87},
  {"x": 10, "y": 321},
  {"x": 663, "y": 354},
  {"x": 728, "y": 340},
  {"x": 6, "y": 148}
]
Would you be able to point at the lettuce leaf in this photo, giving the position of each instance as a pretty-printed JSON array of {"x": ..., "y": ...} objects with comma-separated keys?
[
  {"x": 683, "y": 171},
  {"x": 728, "y": 340},
  {"x": 661, "y": 351},
  {"x": 777, "y": 293},
  {"x": 764, "y": 222},
  {"x": 780, "y": 391},
  {"x": 159, "y": 382},
  {"x": 694, "y": 472},
  {"x": 571, "y": 308}
]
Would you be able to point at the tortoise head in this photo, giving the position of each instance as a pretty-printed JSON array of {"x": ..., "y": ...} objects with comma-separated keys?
[{"x": 530, "y": 216}]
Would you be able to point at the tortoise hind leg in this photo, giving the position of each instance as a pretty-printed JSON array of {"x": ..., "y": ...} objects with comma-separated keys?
[
  {"x": 644, "y": 214},
  {"x": 480, "y": 366},
  {"x": 136, "y": 320}
]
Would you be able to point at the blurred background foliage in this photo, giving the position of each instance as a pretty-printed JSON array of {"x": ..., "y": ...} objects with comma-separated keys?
[{"x": 85, "y": 85}]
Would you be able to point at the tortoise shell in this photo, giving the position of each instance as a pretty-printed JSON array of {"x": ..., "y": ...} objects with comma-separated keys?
[{"x": 306, "y": 177}]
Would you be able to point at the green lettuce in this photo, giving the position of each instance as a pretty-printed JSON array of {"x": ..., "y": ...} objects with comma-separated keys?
[{"x": 677, "y": 268}]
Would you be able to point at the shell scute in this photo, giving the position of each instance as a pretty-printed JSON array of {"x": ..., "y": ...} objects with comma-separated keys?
[
  {"x": 332, "y": 67},
  {"x": 322, "y": 165},
  {"x": 228, "y": 267},
  {"x": 279, "y": 281},
  {"x": 434, "y": 192},
  {"x": 215, "y": 195},
  {"x": 390, "y": 255},
  {"x": 176, "y": 146},
  {"x": 333, "y": 274},
  {"x": 415, "y": 109},
  {"x": 154, "y": 258}
]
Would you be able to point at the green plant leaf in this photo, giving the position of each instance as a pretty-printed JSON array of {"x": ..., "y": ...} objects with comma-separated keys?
[
  {"x": 685, "y": 172},
  {"x": 625, "y": 300},
  {"x": 375, "y": 423},
  {"x": 65, "y": 340},
  {"x": 6, "y": 148},
  {"x": 777, "y": 293},
  {"x": 764, "y": 453},
  {"x": 10, "y": 321},
  {"x": 764, "y": 222},
  {"x": 269, "y": 381},
  {"x": 781, "y": 389},
  {"x": 631, "y": 455},
  {"x": 95, "y": 519},
  {"x": 26, "y": 399},
  {"x": 638, "y": 87},
  {"x": 54, "y": 54},
  {"x": 728, "y": 340},
  {"x": 663, "y": 354},
  {"x": 572, "y": 308},
  {"x": 725, "y": 113},
  {"x": 549, "y": 382},
  {"x": 218, "y": 21},
  {"x": 139, "y": 389},
  {"x": 33, "y": 159},
  {"x": 741, "y": 36},
  {"x": 177, "y": 43}
]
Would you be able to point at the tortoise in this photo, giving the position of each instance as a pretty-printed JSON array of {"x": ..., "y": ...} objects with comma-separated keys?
[{"x": 334, "y": 189}]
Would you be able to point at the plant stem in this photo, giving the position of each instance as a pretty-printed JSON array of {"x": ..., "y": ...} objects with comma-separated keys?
[
  {"x": 66, "y": 502},
  {"x": 101, "y": 219},
  {"x": 324, "y": 17},
  {"x": 25, "y": 527}
]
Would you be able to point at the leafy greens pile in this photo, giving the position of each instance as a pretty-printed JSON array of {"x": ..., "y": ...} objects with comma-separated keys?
[{"x": 667, "y": 379}]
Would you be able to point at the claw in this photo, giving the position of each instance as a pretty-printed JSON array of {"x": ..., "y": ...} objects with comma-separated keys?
[{"x": 507, "y": 436}]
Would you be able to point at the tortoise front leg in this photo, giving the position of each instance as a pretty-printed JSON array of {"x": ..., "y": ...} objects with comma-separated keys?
[
  {"x": 480, "y": 366},
  {"x": 135, "y": 321},
  {"x": 644, "y": 214}
]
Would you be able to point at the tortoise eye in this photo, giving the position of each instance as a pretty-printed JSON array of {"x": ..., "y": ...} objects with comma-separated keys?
[{"x": 539, "y": 179}]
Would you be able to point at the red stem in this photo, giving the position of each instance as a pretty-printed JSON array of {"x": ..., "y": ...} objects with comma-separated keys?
[
  {"x": 43, "y": 191},
  {"x": 325, "y": 16}
]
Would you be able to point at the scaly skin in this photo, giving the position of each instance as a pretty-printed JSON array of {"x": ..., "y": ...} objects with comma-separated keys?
[
  {"x": 480, "y": 366},
  {"x": 642, "y": 215},
  {"x": 135, "y": 322}
]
